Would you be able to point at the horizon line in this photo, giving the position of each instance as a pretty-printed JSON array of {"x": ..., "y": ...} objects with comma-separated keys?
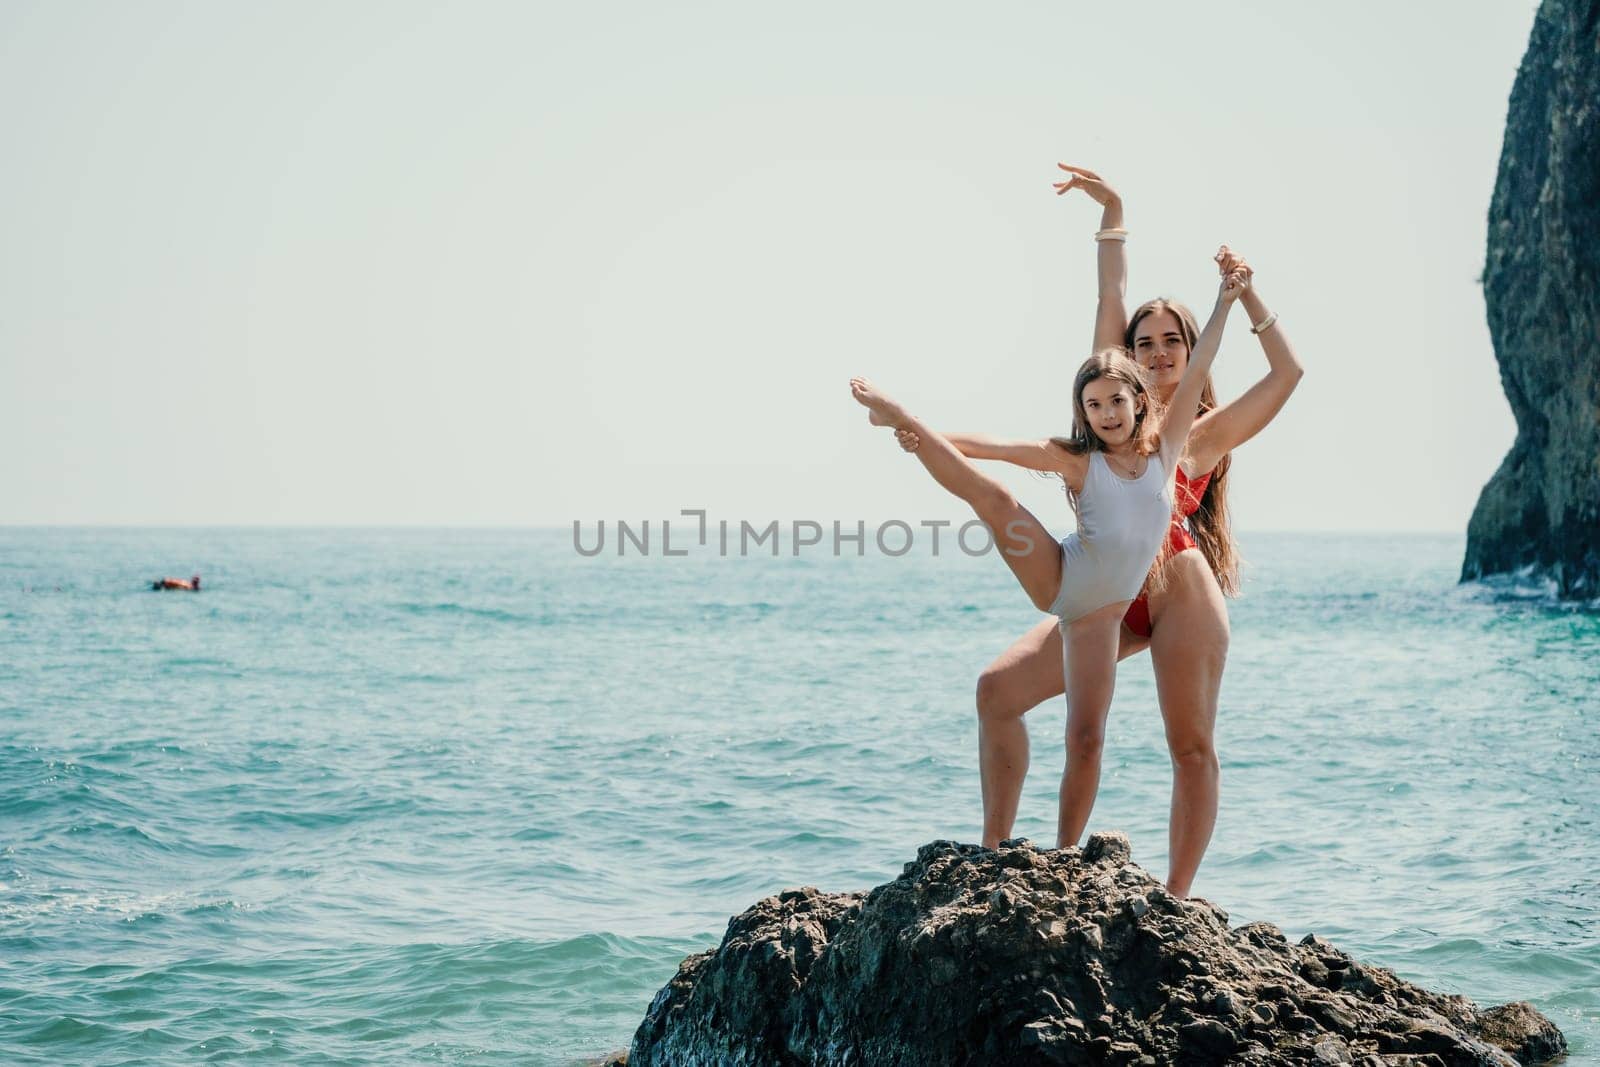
[{"x": 531, "y": 527}]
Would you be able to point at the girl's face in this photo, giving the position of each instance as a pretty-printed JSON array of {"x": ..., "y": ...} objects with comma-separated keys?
[
  {"x": 1159, "y": 347},
  {"x": 1109, "y": 409}
]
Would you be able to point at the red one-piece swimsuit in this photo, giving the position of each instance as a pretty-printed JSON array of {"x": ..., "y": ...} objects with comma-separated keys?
[{"x": 1185, "y": 502}]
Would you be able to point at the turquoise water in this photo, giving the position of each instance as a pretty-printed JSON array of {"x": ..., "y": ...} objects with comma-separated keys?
[{"x": 432, "y": 796}]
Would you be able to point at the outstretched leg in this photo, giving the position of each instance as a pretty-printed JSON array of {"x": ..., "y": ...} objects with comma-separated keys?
[
  {"x": 1026, "y": 546},
  {"x": 1091, "y": 658}
]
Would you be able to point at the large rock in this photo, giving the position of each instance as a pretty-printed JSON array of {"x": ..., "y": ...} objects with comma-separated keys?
[
  {"x": 1541, "y": 510},
  {"x": 1019, "y": 955}
]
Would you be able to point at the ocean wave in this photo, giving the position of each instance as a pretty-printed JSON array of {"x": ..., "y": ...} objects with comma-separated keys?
[
  {"x": 1527, "y": 586},
  {"x": 807, "y": 839},
  {"x": 450, "y": 607},
  {"x": 30, "y": 906}
]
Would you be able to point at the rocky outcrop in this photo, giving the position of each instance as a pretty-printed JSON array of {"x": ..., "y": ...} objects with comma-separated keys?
[
  {"x": 1541, "y": 510},
  {"x": 1020, "y": 955}
]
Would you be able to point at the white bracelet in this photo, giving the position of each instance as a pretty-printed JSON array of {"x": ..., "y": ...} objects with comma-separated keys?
[
  {"x": 1112, "y": 233},
  {"x": 1265, "y": 324}
]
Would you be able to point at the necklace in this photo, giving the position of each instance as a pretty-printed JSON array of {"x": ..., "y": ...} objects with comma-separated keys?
[{"x": 1131, "y": 472}]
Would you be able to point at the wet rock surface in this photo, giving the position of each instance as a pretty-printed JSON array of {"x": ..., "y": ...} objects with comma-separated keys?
[
  {"x": 1541, "y": 510},
  {"x": 1021, "y": 955}
]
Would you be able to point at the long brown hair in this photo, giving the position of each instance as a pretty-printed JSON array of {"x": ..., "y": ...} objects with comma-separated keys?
[{"x": 1212, "y": 531}]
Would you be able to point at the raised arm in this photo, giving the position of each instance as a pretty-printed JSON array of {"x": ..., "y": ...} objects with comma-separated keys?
[
  {"x": 1111, "y": 312},
  {"x": 1234, "y": 423},
  {"x": 1186, "y": 398}
]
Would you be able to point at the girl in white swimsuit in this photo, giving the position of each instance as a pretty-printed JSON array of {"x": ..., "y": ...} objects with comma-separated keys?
[{"x": 1117, "y": 465}]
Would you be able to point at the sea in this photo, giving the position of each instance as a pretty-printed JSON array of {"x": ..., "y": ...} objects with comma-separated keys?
[{"x": 381, "y": 796}]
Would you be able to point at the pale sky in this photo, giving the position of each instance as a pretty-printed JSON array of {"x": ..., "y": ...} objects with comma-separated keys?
[{"x": 524, "y": 263}]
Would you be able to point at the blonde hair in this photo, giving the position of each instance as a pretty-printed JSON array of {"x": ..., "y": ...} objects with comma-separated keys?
[{"x": 1212, "y": 531}]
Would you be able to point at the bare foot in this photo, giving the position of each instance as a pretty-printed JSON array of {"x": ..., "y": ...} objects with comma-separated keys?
[{"x": 881, "y": 411}]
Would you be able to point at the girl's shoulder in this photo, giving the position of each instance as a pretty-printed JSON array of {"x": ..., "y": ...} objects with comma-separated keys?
[{"x": 1068, "y": 452}]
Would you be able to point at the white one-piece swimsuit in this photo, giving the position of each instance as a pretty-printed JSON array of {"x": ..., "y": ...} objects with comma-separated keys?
[{"x": 1121, "y": 523}]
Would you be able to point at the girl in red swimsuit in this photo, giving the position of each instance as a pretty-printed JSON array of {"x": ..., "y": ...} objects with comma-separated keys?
[{"x": 1181, "y": 617}]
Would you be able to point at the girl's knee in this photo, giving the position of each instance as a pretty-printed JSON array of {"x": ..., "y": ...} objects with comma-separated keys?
[
  {"x": 995, "y": 505},
  {"x": 1085, "y": 742},
  {"x": 1194, "y": 753},
  {"x": 996, "y": 702}
]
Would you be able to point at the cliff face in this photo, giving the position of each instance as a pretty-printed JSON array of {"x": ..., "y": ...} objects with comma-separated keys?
[{"x": 1542, "y": 287}]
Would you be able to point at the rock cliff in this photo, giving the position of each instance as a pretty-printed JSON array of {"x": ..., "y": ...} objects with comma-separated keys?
[
  {"x": 1021, "y": 956},
  {"x": 1542, "y": 287}
]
